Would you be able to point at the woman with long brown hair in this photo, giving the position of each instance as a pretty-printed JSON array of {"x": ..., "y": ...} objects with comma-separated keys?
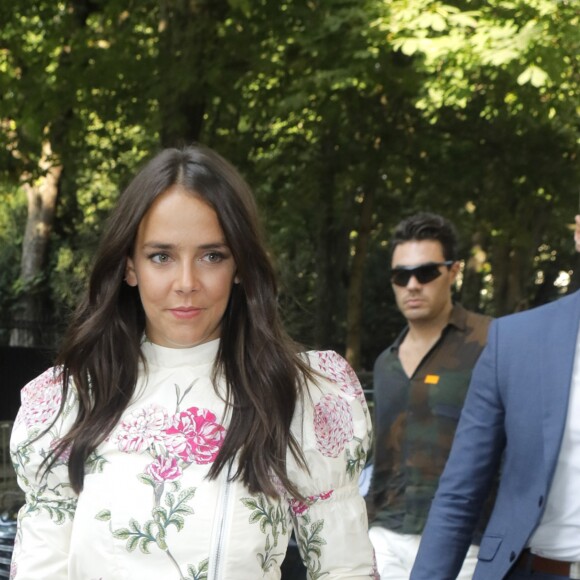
[{"x": 181, "y": 433}]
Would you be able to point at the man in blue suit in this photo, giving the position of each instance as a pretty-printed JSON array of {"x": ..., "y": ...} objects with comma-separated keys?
[{"x": 521, "y": 419}]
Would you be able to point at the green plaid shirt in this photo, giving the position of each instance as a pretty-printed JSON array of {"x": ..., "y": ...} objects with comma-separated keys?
[{"x": 415, "y": 421}]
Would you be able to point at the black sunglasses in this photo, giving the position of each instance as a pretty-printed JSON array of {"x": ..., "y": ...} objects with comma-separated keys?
[{"x": 424, "y": 273}]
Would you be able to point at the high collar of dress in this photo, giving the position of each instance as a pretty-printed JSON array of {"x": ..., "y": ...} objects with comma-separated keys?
[{"x": 162, "y": 356}]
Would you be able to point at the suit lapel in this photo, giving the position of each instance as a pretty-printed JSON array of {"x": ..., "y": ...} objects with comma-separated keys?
[{"x": 556, "y": 371}]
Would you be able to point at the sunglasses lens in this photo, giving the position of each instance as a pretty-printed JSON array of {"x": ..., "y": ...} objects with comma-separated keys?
[
  {"x": 401, "y": 277},
  {"x": 426, "y": 274},
  {"x": 423, "y": 274}
]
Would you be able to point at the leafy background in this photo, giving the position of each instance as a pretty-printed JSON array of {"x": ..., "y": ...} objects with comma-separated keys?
[{"x": 344, "y": 115}]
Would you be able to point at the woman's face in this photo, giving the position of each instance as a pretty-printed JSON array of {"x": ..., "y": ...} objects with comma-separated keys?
[{"x": 183, "y": 269}]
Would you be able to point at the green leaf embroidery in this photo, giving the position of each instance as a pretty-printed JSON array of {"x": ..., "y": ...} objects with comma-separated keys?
[
  {"x": 95, "y": 463},
  {"x": 58, "y": 509},
  {"x": 271, "y": 519},
  {"x": 104, "y": 515},
  {"x": 356, "y": 460},
  {"x": 147, "y": 479},
  {"x": 310, "y": 543},
  {"x": 199, "y": 573}
]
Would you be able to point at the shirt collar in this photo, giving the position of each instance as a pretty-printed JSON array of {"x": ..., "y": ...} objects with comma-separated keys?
[{"x": 457, "y": 318}]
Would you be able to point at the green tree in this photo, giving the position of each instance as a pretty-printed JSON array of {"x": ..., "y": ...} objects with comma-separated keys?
[{"x": 345, "y": 116}]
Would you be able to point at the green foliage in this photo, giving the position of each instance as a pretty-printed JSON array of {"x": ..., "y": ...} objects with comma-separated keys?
[
  {"x": 464, "y": 108},
  {"x": 12, "y": 220}
]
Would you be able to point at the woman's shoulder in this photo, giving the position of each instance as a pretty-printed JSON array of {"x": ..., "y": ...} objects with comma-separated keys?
[
  {"x": 42, "y": 407},
  {"x": 333, "y": 375},
  {"x": 334, "y": 425},
  {"x": 41, "y": 398},
  {"x": 41, "y": 419}
]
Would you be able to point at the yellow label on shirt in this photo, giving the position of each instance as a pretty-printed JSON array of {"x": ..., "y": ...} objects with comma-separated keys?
[{"x": 431, "y": 379}]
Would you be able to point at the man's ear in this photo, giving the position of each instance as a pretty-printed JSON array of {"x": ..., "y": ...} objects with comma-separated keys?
[
  {"x": 130, "y": 275},
  {"x": 454, "y": 269}
]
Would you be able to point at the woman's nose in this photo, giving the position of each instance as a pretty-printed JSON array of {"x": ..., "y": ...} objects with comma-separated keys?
[{"x": 188, "y": 279}]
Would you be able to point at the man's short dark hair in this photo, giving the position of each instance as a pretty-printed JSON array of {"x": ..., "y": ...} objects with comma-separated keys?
[{"x": 427, "y": 226}]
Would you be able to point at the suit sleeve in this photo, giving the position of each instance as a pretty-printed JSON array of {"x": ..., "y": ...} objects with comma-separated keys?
[{"x": 469, "y": 473}]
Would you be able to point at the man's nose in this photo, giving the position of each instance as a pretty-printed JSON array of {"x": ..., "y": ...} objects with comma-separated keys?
[{"x": 413, "y": 282}]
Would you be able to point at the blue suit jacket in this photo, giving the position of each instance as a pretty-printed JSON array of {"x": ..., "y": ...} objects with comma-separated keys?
[{"x": 513, "y": 420}]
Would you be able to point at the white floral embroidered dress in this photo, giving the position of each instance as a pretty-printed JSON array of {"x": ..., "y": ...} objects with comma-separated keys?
[{"x": 147, "y": 512}]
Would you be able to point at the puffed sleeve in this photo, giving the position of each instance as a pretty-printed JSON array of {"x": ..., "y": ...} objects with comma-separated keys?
[
  {"x": 334, "y": 429},
  {"x": 45, "y": 520}
]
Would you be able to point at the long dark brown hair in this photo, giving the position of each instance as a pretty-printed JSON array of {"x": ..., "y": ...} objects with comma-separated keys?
[{"x": 263, "y": 373}]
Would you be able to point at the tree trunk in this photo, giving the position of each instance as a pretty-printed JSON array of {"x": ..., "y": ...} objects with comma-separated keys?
[
  {"x": 506, "y": 277},
  {"x": 356, "y": 280},
  {"x": 189, "y": 47},
  {"x": 326, "y": 255},
  {"x": 473, "y": 275},
  {"x": 512, "y": 269},
  {"x": 42, "y": 195},
  {"x": 332, "y": 254}
]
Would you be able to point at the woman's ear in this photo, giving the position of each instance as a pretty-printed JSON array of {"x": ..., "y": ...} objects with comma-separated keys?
[{"x": 130, "y": 275}]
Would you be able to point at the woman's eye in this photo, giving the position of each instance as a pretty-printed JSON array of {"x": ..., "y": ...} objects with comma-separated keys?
[
  {"x": 159, "y": 258},
  {"x": 214, "y": 257}
]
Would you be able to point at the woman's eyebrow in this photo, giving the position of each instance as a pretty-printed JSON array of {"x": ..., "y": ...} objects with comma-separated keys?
[
  {"x": 213, "y": 245},
  {"x": 159, "y": 245},
  {"x": 167, "y": 246}
]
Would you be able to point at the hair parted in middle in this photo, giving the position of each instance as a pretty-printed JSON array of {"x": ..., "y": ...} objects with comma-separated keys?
[
  {"x": 264, "y": 375},
  {"x": 427, "y": 226}
]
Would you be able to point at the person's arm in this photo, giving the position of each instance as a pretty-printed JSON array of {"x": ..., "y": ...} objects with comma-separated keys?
[
  {"x": 469, "y": 473},
  {"x": 390, "y": 402},
  {"x": 375, "y": 494},
  {"x": 331, "y": 525},
  {"x": 45, "y": 520}
]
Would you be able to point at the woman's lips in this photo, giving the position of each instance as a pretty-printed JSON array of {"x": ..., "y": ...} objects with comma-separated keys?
[{"x": 185, "y": 313}]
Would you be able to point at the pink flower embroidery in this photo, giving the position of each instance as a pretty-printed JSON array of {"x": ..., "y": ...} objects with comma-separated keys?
[
  {"x": 164, "y": 469},
  {"x": 195, "y": 436},
  {"x": 41, "y": 398},
  {"x": 298, "y": 507},
  {"x": 142, "y": 429},
  {"x": 333, "y": 425},
  {"x": 337, "y": 369}
]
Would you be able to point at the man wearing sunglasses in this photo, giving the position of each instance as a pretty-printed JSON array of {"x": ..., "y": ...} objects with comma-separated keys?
[{"x": 420, "y": 383}]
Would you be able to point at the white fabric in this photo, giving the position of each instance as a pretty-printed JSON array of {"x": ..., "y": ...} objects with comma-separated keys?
[
  {"x": 558, "y": 535},
  {"x": 147, "y": 511},
  {"x": 395, "y": 554}
]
